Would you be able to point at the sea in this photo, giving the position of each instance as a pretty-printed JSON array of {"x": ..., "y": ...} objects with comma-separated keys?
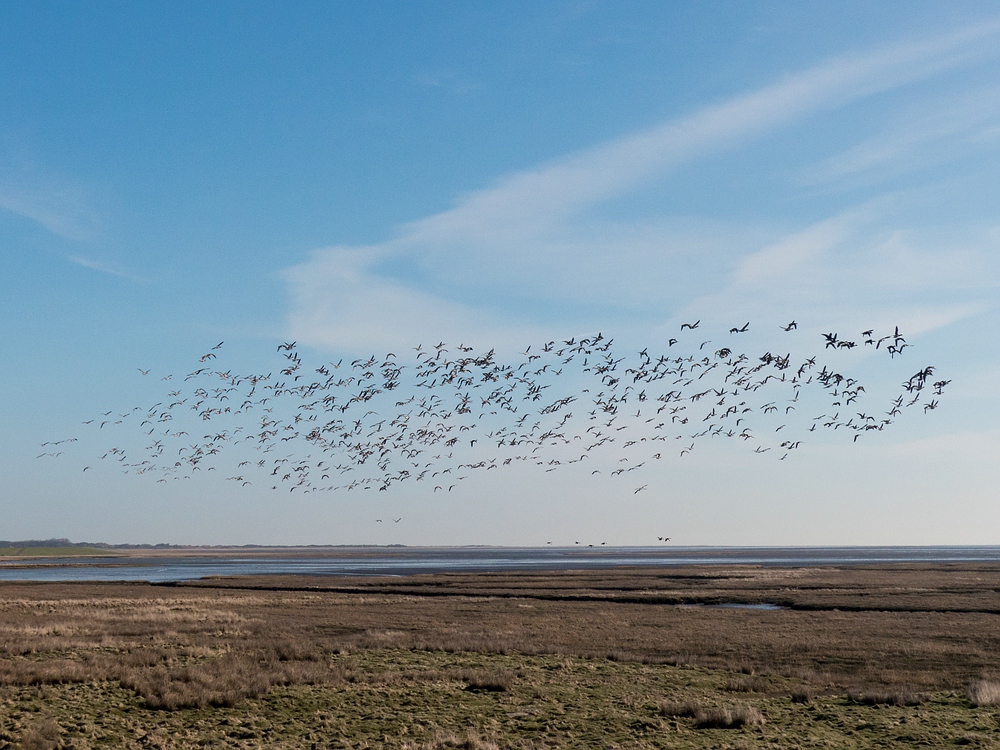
[{"x": 401, "y": 561}]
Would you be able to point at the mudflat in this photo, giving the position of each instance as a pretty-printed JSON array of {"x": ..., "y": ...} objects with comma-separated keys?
[{"x": 702, "y": 656}]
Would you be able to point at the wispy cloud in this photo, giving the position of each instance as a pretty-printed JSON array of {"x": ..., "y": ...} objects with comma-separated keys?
[
  {"x": 957, "y": 126},
  {"x": 340, "y": 303},
  {"x": 858, "y": 269},
  {"x": 57, "y": 203},
  {"x": 452, "y": 81},
  {"x": 507, "y": 257},
  {"x": 110, "y": 269},
  {"x": 531, "y": 201}
]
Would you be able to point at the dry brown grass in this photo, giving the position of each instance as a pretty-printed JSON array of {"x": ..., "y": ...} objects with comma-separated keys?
[
  {"x": 43, "y": 734},
  {"x": 495, "y": 681},
  {"x": 899, "y": 696},
  {"x": 729, "y": 717},
  {"x": 716, "y": 717},
  {"x": 224, "y": 681},
  {"x": 451, "y": 741},
  {"x": 984, "y": 693},
  {"x": 894, "y": 588},
  {"x": 802, "y": 694},
  {"x": 751, "y": 684},
  {"x": 686, "y": 709},
  {"x": 222, "y": 641}
]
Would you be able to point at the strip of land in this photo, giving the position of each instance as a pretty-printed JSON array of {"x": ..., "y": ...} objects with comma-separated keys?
[{"x": 35, "y": 552}]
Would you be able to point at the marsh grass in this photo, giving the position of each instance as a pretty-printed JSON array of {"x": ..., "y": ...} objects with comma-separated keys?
[
  {"x": 42, "y": 734},
  {"x": 450, "y": 741},
  {"x": 494, "y": 681},
  {"x": 201, "y": 646},
  {"x": 802, "y": 694},
  {"x": 687, "y": 709},
  {"x": 751, "y": 684},
  {"x": 899, "y": 696},
  {"x": 729, "y": 717},
  {"x": 224, "y": 681},
  {"x": 575, "y": 669},
  {"x": 984, "y": 693},
  {"x": 713, "y": 717},
  {"x": 419, "y": 700}
]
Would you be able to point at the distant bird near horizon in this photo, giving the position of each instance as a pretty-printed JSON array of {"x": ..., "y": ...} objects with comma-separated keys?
[{"x": 446, "y": 413}]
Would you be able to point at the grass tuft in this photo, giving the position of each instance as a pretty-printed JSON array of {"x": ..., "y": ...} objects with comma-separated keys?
[
  {"x": 726, "y": 717},
  {"x": 43, "y": 734},
  {"x": 984, "y": 693},
  {"x": 450, "y": 741},
  {"x": 686, "y": 709},
  {"x": 802, "y": 695},
  {"x": 888, "y": 697},
  {"x": 492, "y": 681},
  {"x": 752, "y": 684},
  {"x": 729, "y": 717}
]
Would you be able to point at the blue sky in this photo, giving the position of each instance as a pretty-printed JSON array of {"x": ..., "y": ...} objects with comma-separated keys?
[{"x": 366, "y": 177}]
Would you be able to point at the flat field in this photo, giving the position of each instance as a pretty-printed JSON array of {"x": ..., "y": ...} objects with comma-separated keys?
[{"x": 874, "y": 656}]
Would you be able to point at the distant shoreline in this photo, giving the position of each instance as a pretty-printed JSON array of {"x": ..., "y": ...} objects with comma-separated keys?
[
  {"x": 163, "y": 565},
  {"x": 14, "y": 552}
]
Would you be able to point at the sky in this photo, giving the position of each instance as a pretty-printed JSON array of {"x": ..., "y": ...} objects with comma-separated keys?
[{"x": 363, "y": 178}]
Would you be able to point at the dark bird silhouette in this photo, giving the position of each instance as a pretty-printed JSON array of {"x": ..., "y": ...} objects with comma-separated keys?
[{"x": 384, "y": 420}]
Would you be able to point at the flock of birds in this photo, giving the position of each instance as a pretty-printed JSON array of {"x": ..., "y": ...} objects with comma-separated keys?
[{"x": 439, "y": 414}]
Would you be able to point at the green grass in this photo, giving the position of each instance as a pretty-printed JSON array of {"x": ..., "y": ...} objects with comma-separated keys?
[{"x": 422, "y": 699}]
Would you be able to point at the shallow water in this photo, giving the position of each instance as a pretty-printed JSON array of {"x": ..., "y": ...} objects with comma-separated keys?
[
  {"x": 409, "y": 560},
  {"x": 738, "y": 605}
]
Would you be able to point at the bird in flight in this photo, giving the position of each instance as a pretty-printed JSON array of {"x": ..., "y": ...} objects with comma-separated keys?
[{"x": 380, "y": 421}]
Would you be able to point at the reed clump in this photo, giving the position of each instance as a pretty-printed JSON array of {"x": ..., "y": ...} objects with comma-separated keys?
[
  {"x": 750, "y": 684},
  {"x": 683, "y": 709},
  {"x": 715, "y": 717},
  {"x": 222, "y": 682},
  {"x": 802, "y": 694},
  {"x": 492, "y": 681},
  {"x": 984, "y": 693},
  {"x": 900, "y": 696},
  {"x": 729, "y": 717},
  {"x": 42, "y": 734},
  {"x": 450, "y": 741}
]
